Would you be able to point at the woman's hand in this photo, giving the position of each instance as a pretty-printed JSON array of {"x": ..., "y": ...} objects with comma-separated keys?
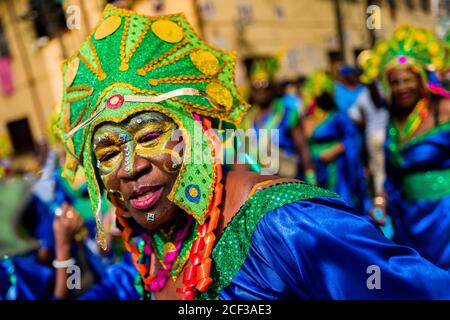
[
  {"x": 66, "y": 225},
  {"x": 378, "y": 210}
]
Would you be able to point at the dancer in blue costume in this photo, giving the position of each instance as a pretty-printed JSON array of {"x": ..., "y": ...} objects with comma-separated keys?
[
  {"x": 333, "y": 143},
  {"x": 418, "y": 142},
  {"x": 24, "y": 272},
  {"x": 117, "y": 278},
  {"x": 22, "y": 275},
  {"x": 192, "y": 231},
  {"x": 277, "y": 116},
  {"x": 51, "y": 191}
]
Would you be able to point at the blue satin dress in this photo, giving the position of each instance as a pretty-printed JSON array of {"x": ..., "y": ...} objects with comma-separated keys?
[
  {"x": 284, "y": 117},
  {"x": 344, "y": 175},
  {"x": 24, "y": 278},
  {"x": 315, "y": 247},
  {"x": 117, "y": 283},
  {"x": 418, "y": 188}
]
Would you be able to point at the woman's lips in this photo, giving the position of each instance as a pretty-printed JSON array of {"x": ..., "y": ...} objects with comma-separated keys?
[
  {"x": 145, "y": 200},
  {"x": 405, "y": 97}
]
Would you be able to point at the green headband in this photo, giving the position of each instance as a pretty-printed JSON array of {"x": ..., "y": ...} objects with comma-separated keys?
[{"x": 132, "y": 63}]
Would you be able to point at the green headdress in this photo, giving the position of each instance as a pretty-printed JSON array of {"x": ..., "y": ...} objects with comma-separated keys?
[
  {"x": 407, "y": 47},
  {"x": 264, "y": 69},
  {"x": 315, "y": 85},
  {"x": 131, "y": 63},
  {"x": 447, "y": 50}
]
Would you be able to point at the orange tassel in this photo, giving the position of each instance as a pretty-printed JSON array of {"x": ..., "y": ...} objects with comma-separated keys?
[
  {"x": 203, "y": 284},
  {"x": 204, "y": 269}
]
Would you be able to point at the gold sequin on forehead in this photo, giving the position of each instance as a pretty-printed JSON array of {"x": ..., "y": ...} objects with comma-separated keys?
[
  {"x": 71, "y": 71},
  {"x": 220, "y": 94},
  {"x": 108, "y": 27},
  {"x": 205, "y": 61},
  {"x": 168, "y": 31}
]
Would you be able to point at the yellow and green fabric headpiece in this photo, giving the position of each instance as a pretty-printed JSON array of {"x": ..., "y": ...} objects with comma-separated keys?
[
  {"x": 315, "y": 85},
  {"x": 132, "y": 63},
  {"x": 407, "y": 47},
  {"x": 264, "y": 68}
]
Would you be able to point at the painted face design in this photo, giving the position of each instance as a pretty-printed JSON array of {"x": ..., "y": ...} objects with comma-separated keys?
[
  {"x": 138, "y": 161},
  {"x": 144, "y": 135}
]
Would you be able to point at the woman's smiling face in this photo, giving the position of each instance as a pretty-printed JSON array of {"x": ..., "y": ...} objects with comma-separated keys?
[
  {"x": 405, "y": 87},
  {"x": 138, "y": 162}
]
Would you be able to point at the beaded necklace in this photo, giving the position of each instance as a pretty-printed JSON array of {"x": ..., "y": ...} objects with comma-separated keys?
[{"x": 171, "y": 253}]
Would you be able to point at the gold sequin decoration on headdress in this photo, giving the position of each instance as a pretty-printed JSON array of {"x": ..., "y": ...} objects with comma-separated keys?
[
  {"x": 71, "y": 71},
  {"x": 108, "y": 27},
  {"x": 205, "y": 61},
  {"x": 220, "y": 94},
  {"x": 168, "y": 31}
]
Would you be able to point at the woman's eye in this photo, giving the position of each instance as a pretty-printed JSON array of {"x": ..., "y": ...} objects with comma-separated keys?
[
  {"x": 149, "y": 137},
  {"x": 108, "y": 156}
]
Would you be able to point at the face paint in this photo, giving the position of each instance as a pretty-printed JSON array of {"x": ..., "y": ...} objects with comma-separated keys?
[
  {"x": 108, "y": 148},
  {"x": 173, "y": 163},
  {"x": 117, "y": 194},
  {"x": 128, "y": 150},
  {"x": 143, "y": 136}
]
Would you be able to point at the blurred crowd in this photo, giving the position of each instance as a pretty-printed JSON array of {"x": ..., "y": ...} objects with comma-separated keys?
[{"x": 365, "y": 140}]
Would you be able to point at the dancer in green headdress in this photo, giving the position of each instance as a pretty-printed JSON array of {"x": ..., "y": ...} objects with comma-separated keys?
[
  {"x": 140, "y": 98},
  {"x": 417, "y": 193}
]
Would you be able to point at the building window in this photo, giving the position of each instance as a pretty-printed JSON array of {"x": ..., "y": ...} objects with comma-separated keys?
[
  {"x": 393, "y": 9},
  {"x": 410, "y": 4},
  {"x": 48, "y": 18},
  {"x": 121, "y": 3},
  {"x": 425, "y": 5},
  {"x": 20, "y": 136},
  {"x": 4, "y": 49}
]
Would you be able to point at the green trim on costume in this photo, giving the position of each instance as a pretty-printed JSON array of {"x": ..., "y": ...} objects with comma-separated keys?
[
  {"x": 426, "y": 185},
  {"x": 327, "y": 120},
  {"x": 445, "y": 126},
  {"x": 239, "y": 232},
  {"x": 332, "y": 175},
  {"x": 394, "y": 145},
  {"x": 318, "y": 148}
]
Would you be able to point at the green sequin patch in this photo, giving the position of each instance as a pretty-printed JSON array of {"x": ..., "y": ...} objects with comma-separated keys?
[{"x": 232, "y": 248}]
